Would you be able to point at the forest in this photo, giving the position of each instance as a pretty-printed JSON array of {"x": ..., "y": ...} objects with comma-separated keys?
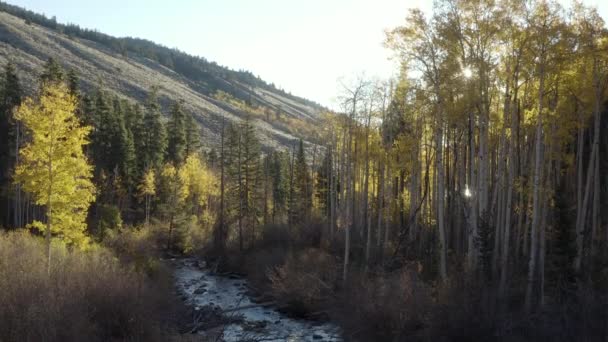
[{"x": 458, "y": 201}]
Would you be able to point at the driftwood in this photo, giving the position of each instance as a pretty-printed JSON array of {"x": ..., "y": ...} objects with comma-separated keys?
[{"x": 265, "y": 304}]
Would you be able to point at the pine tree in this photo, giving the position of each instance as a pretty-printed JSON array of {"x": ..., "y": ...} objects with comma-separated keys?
[
  {"x": 52, "y": 72},
  {"x": 103, "y": 152},
  {"x": 135, "y": 124},
  {"x": 88, "y": 111},
  {"x": 72, "y": 81},
  {"x": 154, "y": 140},
  {"x": 244, "y": 174},
  {"x": 172, "y": 197},
  {"x": 193, "y": 142},
  {"x": 301, "y": 197},
  {"x": 251, "y": 174},
  {"x": 53, "y": 167},
  {"x": 10, "y": 97},
  {"x": 176, "y": 135},
  {"x": 322, "y": 188},
  {"x": 280, "y": 182}
]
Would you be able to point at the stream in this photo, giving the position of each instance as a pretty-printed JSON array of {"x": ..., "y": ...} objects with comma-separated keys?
[{"x": 249, "y": 321}]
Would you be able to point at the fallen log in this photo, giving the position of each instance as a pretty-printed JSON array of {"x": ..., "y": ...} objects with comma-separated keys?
[{"x": 265, "y": 304}]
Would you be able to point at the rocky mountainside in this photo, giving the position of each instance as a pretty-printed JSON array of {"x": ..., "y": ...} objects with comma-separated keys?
[{"x": 130, "y": 67}]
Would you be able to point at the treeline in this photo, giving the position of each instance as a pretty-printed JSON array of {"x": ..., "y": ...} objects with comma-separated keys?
[
  {"x": 145, "y": 169},
  {"x": 210, "y": 76}
]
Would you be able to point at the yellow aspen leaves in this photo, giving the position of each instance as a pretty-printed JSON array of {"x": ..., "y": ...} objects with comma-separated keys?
[{"x": 53, "y": 168}]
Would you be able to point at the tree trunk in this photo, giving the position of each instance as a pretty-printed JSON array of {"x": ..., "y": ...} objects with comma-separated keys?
[
  {"x": 441, "y": 198},
  {"x": 536, "y": 206}
]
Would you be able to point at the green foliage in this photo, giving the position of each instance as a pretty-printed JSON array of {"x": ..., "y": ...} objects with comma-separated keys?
[
  {"x": 52, "y": 73},
  {"x": 154, "y": 136},
  {"x": 10, "y": 97},
  {"x": 176, "y": 135},
  {"x": 324, "y": 174},
  {"x": 243, "y": 161},
  {"x": 300, "y": 202},
  {"x": 193, "y": 140},
  {"x": 109, "y": 219}
]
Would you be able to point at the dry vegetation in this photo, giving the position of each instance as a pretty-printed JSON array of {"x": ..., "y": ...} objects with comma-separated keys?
[
  {"x": 399, "y": 303},
  {"x": 88, "y": 296}
]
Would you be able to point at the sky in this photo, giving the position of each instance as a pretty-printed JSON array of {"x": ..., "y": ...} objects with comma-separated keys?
[{"x": 303, "y": 46}]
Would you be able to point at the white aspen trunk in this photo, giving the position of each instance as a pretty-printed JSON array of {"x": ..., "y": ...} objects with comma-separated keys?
[
  {"x": 414, "y": 184},
  {"x": 366, "y": 206},
  {"x": 536, "y": 208},
  {"x": 380, "y": 200},
  {"x": 596, "y": 202},
  {"x": 472, "y": 234},
  {"x": 388, "y": 208},
  {"x": 582, "y": 218},
  {"x": 508, "y": 206},
  {"x": 441, "y": 196}
]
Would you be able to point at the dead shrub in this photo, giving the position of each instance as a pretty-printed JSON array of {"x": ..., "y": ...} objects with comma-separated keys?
[
  {"x": 384, "y": 307},
  {"x": 89, "y": 296},
  {"x": 305, "y": 280}
]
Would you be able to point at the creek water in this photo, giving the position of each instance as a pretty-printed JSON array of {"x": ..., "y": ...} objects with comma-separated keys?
[{"x": 203, "y": 289}]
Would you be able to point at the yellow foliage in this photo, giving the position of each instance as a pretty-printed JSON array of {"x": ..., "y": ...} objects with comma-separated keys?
[
  {"x": 147, "y": 187},
  {"x": 53, "y": 168},
  {"x": 197, "y": 180}
]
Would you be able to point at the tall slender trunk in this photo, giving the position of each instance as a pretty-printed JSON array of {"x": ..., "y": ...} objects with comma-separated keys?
[
  {"x": 582, "y": 218},
  {"x": 241, "y": 193},
  {"x": 472, "y": 234},
  {"x": 440, "y": 194},
  {"x": 380, "y": 199},
  {"x": 509, "y": 204},
  {"x": 366, "y": 206},
  {"x": 536, "y": 207}
]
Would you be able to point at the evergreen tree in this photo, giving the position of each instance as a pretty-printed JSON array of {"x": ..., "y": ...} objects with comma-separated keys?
[
  {"x": 244, "y": 174},
  {"x": 10, "y": 97},
  {"x": 176, "y": 135},
  {"x": 251, "y": 174},
  {"x": 52, "y": 72},
  {"x": 212, "y": 158},
  {"x": 128, "y": 161},
  {"x": 103, "y": 134},
  {"x": 301, "y": 201},
  {"x": 279, "y": 166},
  {"x": 154, "y": 140},
  {"x": 87, "y": 110},
  {"x": 193, "y": 142},
  {"x": 322, "y": 188},
  {"x": 135, "y": 124},
  {"x": 73, "y": 81}
]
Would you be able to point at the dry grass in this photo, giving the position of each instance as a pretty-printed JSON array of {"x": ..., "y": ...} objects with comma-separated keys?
[{"x": 89, "y": 296}]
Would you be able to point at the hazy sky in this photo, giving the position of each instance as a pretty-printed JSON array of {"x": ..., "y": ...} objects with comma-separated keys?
[{"x": 304, "y": 46}]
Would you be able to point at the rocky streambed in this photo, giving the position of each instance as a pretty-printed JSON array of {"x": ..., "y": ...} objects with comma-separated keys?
[{"x": 243, "y": 318}]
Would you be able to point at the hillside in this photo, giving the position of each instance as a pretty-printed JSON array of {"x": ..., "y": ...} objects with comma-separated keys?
[{"x": 130, "y": 67}]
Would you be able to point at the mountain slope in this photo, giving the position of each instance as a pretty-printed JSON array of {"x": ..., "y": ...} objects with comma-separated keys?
[{"x": 130, "y": 67}]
